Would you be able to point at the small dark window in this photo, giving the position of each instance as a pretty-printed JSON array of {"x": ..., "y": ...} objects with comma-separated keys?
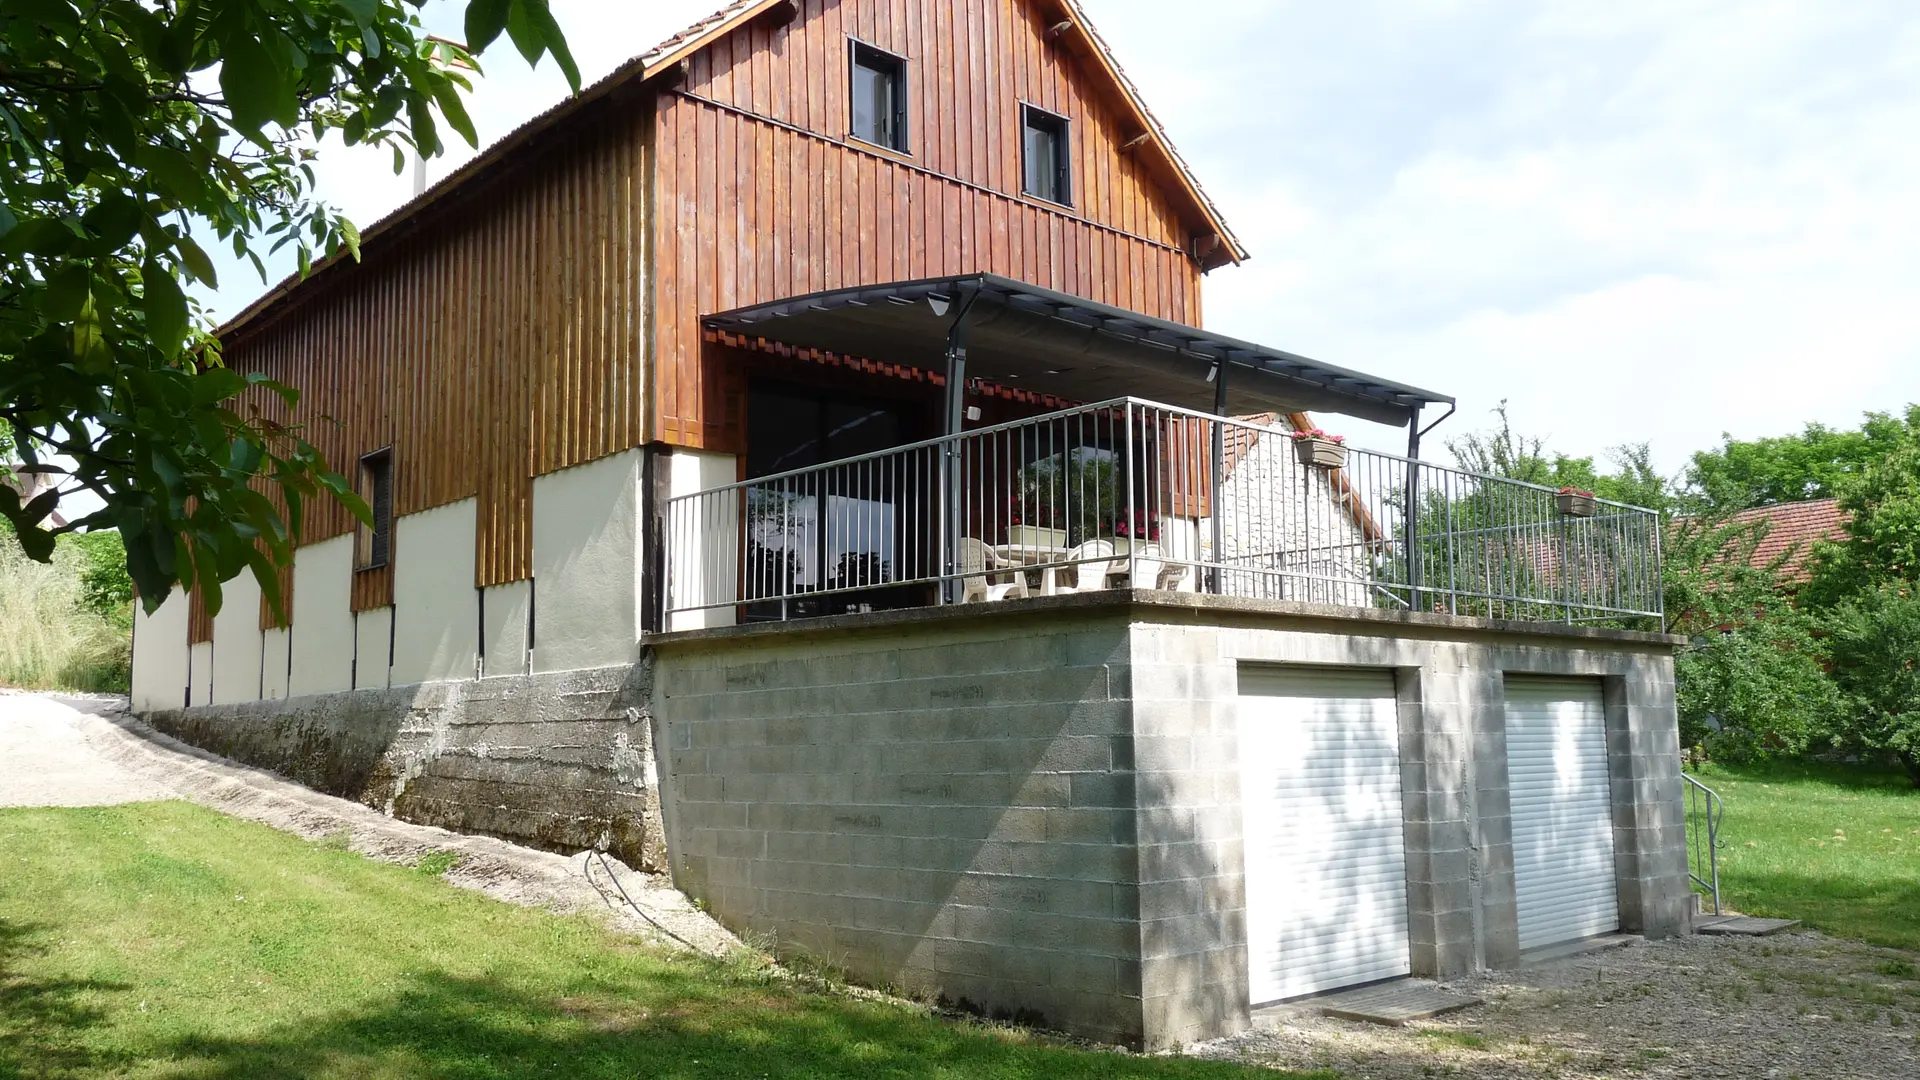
[
  {"x": 879, "y": 98},
  {"x": 1044, "y": 147},
  {"x": 376, "y": 486}
]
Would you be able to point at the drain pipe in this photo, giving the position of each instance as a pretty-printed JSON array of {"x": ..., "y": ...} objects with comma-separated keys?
[{"x": 950, "y": 480}]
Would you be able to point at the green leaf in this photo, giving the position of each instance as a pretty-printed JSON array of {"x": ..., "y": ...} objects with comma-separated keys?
[
  {"x": 448, "y": 97},
  {"x": 255, "y": 90},
  {"x": 67, "y": 290},
  {"x": 176, "y": 172},
  {"x": 89, "y": 335},
  {"x": 197, "y": 262},
  {"x": 165, "y": 306},
  {"x": 215, "y": 385},
  {"x": 485, "y": 20},
  {"x": 350, "y": 235},
  {"x": 362, "y": 11},
  {"x": 525, "y": 32},
  {"x": 556, "y": 42}
]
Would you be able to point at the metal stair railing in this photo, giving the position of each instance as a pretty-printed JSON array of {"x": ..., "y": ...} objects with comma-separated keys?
[{"x": 1704, "y": 809}]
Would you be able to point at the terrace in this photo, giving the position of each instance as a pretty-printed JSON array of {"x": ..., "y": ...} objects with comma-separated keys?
[{"x": 1134, "y": 493}]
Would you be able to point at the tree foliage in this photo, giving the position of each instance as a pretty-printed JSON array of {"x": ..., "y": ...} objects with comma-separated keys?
[
  {"x": 133, "y": 132},
  {"x": 1882, "y": 502},
  {"x": 1813, "y": 464},
  {"x": 1876, "y": 653}
]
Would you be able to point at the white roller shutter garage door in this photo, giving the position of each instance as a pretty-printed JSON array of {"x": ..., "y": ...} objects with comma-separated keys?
[
  {"x": 1562, "y": 810},
  {"x": 1325, "y": 840}
]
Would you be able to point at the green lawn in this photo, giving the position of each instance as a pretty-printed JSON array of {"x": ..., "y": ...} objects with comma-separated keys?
[
  {"x": 164, "y": 940},
  {"x": 1836, "y": 847}
]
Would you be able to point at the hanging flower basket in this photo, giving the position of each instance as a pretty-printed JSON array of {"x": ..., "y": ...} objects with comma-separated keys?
[
  {"x": 1574, "y": 503},
  {"x": 1318, "y": 450}
]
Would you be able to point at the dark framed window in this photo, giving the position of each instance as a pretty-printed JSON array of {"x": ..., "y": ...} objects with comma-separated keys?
[
  {"x": 879, "y": 97},
  {"x": 375, "y": 545},
  {"x": 1045, "y": 173}
]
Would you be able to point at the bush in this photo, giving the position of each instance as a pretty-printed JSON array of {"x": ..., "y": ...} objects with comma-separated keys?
[{"x": 52, "y": 637}]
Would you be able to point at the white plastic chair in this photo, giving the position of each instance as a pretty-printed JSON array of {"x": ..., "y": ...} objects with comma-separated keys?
[
  {"x": 1092, "y": 562},
  {"x": 978, "y": 563},
  {"x": 1148, "y": 567}
]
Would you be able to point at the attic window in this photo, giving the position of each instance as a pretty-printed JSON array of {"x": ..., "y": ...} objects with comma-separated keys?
[
  {"x": 1045, "y": 157},
  {"x": 879, "y": 97},
  {"x": 374, "y": 547}
]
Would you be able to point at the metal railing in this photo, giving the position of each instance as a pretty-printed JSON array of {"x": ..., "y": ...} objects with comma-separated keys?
[
  {"x": 1130, "y": 492},
  {"x": 1703, "y": 838}
]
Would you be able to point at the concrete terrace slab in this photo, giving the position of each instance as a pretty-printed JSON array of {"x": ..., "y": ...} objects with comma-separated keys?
[
  {"x": 1742, "y": 925},
  {"x": 1392, "y": 1004}
]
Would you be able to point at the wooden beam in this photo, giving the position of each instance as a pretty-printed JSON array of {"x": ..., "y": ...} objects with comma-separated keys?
[
  {"x": 1138, "y": 140},
  {"x": 1059, "y": 28}
]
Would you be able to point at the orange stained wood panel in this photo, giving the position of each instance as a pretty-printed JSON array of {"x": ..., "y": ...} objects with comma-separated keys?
[
  {"x": 761, "y": 192},
  {"x": 501, "y": 337}
]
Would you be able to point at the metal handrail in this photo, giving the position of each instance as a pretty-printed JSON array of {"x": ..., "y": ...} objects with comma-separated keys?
[
  {"x": 1376, "y": 530},
  {"x": 1704, "y": 809}
]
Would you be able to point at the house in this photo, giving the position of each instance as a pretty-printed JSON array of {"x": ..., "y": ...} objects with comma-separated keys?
[
  {"x": 798, "y": 467},
  {"x": 1792, "y": 530}
]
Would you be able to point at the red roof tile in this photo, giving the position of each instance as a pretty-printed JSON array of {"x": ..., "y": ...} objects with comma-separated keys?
[{"x": 1792, "y": 530}]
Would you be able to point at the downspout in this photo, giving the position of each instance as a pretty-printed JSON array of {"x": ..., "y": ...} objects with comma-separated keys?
[{"x": 952, "y": 523}]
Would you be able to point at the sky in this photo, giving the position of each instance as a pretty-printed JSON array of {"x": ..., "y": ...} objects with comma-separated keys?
[{"x": 1640, "y": 221}]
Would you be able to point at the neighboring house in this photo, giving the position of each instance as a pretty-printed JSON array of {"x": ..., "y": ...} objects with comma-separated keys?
[
  {"x": 1792, "y": 530},
  {"x": 725, "y": 425}
]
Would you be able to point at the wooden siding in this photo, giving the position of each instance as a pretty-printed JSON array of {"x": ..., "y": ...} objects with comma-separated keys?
[
  {"x": 763, "y": 194},
  {"x": 503, "y": 338}
]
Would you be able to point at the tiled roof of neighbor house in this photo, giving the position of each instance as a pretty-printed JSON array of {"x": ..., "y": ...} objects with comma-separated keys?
[
  {"x": 1793, "y": 529},
  {"x": 660, "y": 58}
]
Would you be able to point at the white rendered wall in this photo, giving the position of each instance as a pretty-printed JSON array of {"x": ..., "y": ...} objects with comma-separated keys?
[
  {"x": 160, "y": 654},
  {"x": 505, "y": 610},
  {"x": 236, "y": 641},
  {"x": 703, "y": 551},
  {"x": 200, "y": 673},
  {"x": 1280, "y": 515},
  {"x": 436, "y": 608},
  {"x": 322, "y": 617},
  {"x": 273, "y": 663},
  {"x": 372, "y": 645},
  {"x": 586, "y": 565}
]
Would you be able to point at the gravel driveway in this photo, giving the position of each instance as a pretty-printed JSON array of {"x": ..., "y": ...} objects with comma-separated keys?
[{"x": 1790, "y": 1006}]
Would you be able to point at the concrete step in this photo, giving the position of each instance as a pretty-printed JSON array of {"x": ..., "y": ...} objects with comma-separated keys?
[
  {"x": 1742, "y": 925},
  {"x": 1393, "y": 1004},
  {"x": 1547, "y": 954}
]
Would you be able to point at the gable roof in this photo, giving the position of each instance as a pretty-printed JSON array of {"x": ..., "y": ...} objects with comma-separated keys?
[
  {"x": 663, "y": 58},
  {"x": 1792, "y": 530}
]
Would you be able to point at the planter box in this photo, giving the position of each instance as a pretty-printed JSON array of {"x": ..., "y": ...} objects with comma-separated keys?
[
  {"x": 1036, "y": 536},
  {"x": 1320, "y": 453},
  {"x": 1575, "y": 506}
]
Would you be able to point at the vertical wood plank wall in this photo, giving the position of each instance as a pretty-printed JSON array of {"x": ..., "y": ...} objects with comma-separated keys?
[
  {"x": 503, "y": 338},
  {"x": 756, "y": 162}
]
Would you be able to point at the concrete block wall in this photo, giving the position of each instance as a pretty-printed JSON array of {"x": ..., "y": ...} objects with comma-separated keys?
[
  {"x": 563, "y": 762},
  {"x": 914, "y": 795},
  {"x": 949, "y": 810}
]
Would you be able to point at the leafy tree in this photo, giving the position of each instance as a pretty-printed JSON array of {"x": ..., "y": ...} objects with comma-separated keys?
[
  {"x": 1882, "y": 548},
  {"x": 1876, "y": 656},
  {"x": 1789, "y": 468},
  {"x": 131, "y": 131},
  {"x": 1503, "y": 452},
  {"x": 105, "y": 588}
]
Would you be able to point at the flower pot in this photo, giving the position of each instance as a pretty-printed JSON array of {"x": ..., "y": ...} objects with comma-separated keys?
[
  {"x": 1574, "y": 505},
  {"x": 1320, "y": 453},
  {"x": 1035, "y": 536}
]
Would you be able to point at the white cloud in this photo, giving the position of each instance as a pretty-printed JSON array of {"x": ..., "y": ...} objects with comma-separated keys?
[{"x": 1647, "y": 220}]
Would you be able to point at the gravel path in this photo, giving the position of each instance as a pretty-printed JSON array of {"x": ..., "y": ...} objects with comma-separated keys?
[
  {"x": 89, "y": 751},
  {"x": 1790, "y": 1006}
]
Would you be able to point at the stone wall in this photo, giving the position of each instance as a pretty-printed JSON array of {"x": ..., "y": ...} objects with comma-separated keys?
[{"x": 561, "y": 761}]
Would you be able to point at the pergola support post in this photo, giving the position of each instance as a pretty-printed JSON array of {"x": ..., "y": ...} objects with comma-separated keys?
[
  {"x": 1215, "y": 584},
  {"x": 952, "y": 516},
  {"x": 1413, "y": 510}
]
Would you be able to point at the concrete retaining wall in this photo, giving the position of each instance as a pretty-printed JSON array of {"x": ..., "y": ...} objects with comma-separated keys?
[{"x": 563, "y": 762}]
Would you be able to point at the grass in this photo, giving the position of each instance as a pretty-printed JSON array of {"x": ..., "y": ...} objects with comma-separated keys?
[
  {"x": 1837, "y": 847},
  {"x": 164, "y": 940}
]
